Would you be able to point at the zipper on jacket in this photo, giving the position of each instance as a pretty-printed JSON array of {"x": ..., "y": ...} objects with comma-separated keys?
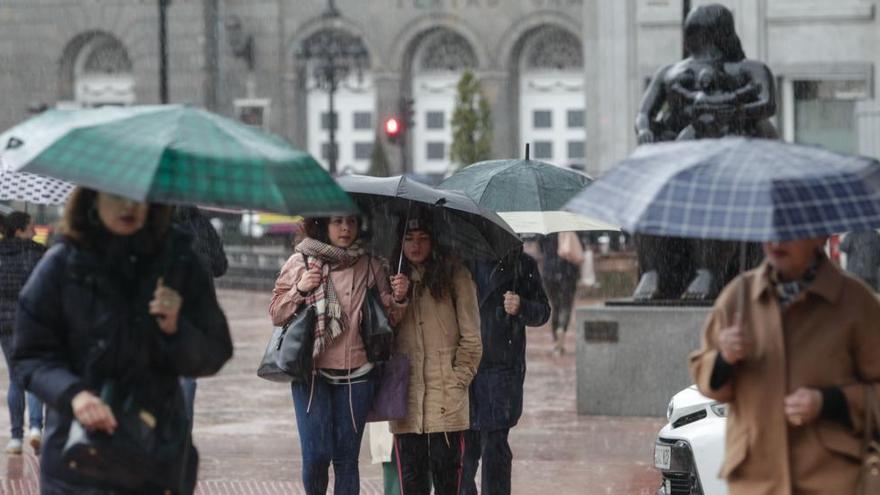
[{"x": 417, "y": 313}]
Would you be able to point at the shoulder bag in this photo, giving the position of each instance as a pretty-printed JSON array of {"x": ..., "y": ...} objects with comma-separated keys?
[
  {"x": 288, "y": 356},
  {"x": 148, "y": 448},
  {"x": 376, "y": 331}
]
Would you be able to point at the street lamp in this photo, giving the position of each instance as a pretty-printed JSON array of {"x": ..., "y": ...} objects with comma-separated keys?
[
  {"x": 163, "y": 50},
  {"x": 332, "y": 54}
]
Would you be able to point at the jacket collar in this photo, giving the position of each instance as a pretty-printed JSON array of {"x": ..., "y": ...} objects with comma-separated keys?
[{"x": 827, "y": 284}]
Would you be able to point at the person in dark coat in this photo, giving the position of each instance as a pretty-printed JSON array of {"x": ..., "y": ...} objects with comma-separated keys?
[
  {"x": 19, "y": 255},
  {"x": 206, "y": 242},
  {"x": 560, "y": 280},
  {"x": 511, "y": 297},
  {"x": 209, "y": 248},
  {"x": 863, "y": 255},
  {"x": 121, "y": 300}
]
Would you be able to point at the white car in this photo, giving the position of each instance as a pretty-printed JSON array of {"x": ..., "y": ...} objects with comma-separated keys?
[{"x": 690, "y": 448}]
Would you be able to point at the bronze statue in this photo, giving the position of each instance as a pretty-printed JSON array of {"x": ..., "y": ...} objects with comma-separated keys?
[{"x": 716, "y": 91}]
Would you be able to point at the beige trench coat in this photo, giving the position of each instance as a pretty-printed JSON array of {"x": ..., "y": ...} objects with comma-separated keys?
[
  {"x": 828, "y": 337},
  {"x": 441, "y": 338}
]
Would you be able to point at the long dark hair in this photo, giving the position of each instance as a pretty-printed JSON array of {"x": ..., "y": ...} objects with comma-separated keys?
[
  {"x": 439, "y": 267},
  {"x": 13, "y": 222},
  {"x": 81, "y": 225}
]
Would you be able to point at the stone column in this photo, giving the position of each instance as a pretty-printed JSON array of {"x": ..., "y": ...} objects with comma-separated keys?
[
  {"x": 611, "y": 81},
  {"x": 387, "y": 97},
  {"x": 497, "y": 87}
]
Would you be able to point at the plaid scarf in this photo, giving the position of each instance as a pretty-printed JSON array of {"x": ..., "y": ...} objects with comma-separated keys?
[
  {"x": 332, "y": 320},
  {"x": 789, "y": 290}
]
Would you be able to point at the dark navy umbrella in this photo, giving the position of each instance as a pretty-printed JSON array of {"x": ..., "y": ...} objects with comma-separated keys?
[{"x": 736, "y": 189}]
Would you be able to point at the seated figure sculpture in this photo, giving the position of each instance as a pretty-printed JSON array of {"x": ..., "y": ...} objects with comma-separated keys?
[{"x": 714, "y": 92}]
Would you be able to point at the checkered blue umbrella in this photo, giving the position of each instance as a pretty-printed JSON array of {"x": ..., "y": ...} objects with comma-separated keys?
[{"x": 736, "y": 189}]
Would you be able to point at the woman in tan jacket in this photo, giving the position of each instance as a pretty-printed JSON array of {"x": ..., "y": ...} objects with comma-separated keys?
[
  {"x": 794, "y": 369},
  {"x": 440, "y": 334},
  {"x": 331, "y": 410}
]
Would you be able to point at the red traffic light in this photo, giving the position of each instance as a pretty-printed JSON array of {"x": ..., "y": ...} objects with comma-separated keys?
[{"x": 392, "y": 127}]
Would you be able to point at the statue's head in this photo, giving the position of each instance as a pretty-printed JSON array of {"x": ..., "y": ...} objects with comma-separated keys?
[{"x": 712, "y": 25}]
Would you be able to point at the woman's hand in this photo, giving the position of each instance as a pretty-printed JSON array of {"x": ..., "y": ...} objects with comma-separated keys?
[
  {"x": 92, "y": 413},
  {"x": 309, "y": 280},
  {"x": 512, "y": 303},
  {"x": 165, "y": 306},
  {"x": 733, "y": 344},
  {"x": 803, "y": 406},
  {"x": 399, "y": 287}
]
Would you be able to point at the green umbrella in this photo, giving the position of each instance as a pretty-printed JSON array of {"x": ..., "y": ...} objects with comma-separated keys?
[
  {"x": 173, "y": 154},
  {"x": 527, "y": 194}
]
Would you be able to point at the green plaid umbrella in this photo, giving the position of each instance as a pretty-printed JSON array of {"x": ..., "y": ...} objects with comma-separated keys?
[{"x": 173, "y": 154}]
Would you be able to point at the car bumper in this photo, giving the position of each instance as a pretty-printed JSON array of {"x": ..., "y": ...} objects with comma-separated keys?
[{"x": 680, "y": 477}]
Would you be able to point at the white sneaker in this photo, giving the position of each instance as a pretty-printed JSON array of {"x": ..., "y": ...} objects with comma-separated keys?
[
  {"x": 14, "y": 446},
  {"x": 35, "y": 439}
]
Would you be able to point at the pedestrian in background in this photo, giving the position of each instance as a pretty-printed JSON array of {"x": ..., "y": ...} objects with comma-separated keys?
[
  {"x": 440, "y": 334},
  {"x": 511, "y": 297},
  {"x": 863, "y": 255},
  {"x": 19, "y": 255},
  {"x": 121, "y": 300},
  {"x": 209, "y": 249},
  {"x": 792, "y": 347},
  {"x": 563, "y": 256},
  {"x": 331, "y": 410}
]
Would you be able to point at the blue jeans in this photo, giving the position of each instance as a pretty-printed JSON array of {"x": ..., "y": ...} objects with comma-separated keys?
[
  {"x": 327, "y": 435},
  {"x": 188, "y": 385},
  {"x": 15, "y": 398}
]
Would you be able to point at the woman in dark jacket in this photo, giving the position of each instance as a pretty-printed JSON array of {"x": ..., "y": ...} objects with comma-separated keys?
[
  {"x": 122, "y": 301},
  {"x": 19, "y": 255}
]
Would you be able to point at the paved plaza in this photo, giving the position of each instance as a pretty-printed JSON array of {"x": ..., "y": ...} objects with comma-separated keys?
[{"x": 246, "y": 433}]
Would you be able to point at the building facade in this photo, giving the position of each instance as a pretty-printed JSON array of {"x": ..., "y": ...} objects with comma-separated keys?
[
  {"x": 563, "y": 75},
  {"x": 239, "y": 57},
  {"x": 822, "y": 53}
]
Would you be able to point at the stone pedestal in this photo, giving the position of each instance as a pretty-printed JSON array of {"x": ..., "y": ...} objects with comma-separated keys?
[{"x": 632, "y": 359}]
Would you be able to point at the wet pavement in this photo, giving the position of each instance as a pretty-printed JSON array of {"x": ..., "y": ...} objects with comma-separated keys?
[{"x": 246, "y": 434}]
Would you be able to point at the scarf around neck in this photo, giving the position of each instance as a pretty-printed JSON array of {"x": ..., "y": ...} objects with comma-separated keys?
[
  {"x": 789, "y": 290},
  {"x": 332, "y": 320}
]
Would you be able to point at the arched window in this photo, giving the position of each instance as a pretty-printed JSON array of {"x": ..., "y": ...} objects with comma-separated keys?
[
  {"x": 440, "y": 59},
  {"x": 102, "y": 72},
  {"x": 552, "y": 114}
]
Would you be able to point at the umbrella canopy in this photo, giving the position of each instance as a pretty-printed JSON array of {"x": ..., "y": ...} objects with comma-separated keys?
[
  {"x": 527, "y": 194},
  {"x": 736, "y": 189},
  {"x": 33, "y": 188},
  {"x": 173, "y": 154},
  {"x": 464, "y": 228}
]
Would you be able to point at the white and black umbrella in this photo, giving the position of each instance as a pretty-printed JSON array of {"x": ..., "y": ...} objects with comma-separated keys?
[{"x": 33, "y": 188}]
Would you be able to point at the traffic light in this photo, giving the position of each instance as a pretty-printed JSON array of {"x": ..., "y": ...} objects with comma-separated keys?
[
  {"x": 393, "y": 129},
  {"x": 407, "y": 113}
]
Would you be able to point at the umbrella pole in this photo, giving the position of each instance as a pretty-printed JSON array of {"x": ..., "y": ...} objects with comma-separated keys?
[{"x": 405, "y": 223}]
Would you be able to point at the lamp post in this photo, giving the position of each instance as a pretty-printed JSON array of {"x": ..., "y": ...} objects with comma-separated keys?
[
  {"x": 685, "y": 10},
  {"x": 332, "y": 54},
  {"x": 163, "y": 51}
]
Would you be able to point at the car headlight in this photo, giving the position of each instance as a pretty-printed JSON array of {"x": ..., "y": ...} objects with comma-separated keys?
[
  {"x": 719, "y": 409},
  {"x": 669, "y": 409}
]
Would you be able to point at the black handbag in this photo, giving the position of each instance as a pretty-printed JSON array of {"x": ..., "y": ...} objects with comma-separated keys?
[
  {"x": 376, "y": 331},
  {"x": 147, "y": 449},
  {"x": 288, "y": 356}
]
